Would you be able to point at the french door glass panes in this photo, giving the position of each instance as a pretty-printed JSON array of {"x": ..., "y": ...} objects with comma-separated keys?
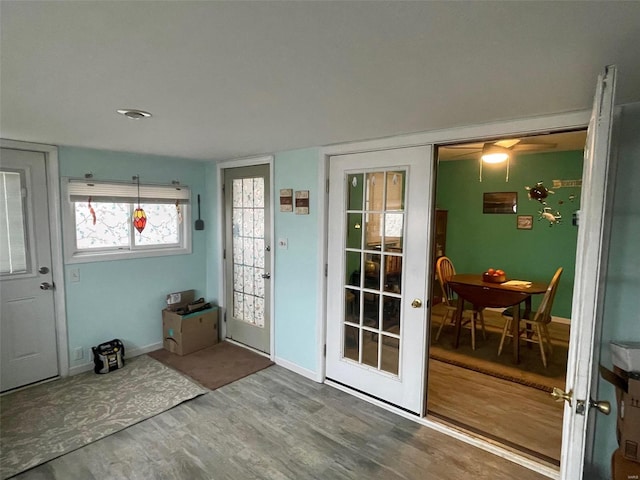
[
  {"x": 373, "y": 250},
  {"x": 248, "y": 244}
]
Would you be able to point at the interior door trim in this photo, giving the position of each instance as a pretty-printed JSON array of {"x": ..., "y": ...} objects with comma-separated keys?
[
  {"x": 57, "y": 263},
  {"x": 220, "y": 239}
]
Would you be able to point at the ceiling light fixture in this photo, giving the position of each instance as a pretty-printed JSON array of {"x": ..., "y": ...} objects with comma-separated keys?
[
  {"x": 492, "y": 153},
  {"x": 133, "y": 114}
]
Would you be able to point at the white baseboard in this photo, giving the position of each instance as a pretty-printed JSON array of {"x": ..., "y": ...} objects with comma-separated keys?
[
  {"x": 129, "y": 353},
  {"x": 561, "y": 320},
  {"x": 310, "y": 374}
]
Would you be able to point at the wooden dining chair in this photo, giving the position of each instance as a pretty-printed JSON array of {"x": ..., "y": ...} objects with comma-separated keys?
[
  {"x": 445, "y": 270},
  {"x": 535, "y": 327}
]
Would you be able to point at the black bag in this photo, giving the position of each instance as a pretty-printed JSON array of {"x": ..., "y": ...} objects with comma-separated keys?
[{"x": 108, "y": 356}]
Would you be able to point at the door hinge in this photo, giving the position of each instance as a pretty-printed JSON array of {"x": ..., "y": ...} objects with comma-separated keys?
[
  {"x": 224, "y": 253},
  {"x": 326, "y": 269},
  {"x": 224, "y": 317},
  {"x": 325, "y": 349},
  {"x": 327, "y": 187},
  {"x": 223, "y": 188}
]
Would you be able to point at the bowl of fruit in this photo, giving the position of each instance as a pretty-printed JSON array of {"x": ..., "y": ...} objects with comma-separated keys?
[{"x": 494, "y": 276}]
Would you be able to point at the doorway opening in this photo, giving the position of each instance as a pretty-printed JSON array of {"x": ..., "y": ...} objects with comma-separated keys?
[{"x": 518, "y": 216}]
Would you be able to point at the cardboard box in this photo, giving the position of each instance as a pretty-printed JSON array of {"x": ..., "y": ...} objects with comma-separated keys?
[
  {"x": 626, "y": 355},
  {"x": 178, "y": 300},
  {"x": 184, "y": 334},
  {"x": 623, "y": 469},
  {"x": 628, "y": 421}
]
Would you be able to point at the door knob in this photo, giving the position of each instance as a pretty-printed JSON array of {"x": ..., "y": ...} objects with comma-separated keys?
[
  {"x": 266, "y": 275},
  {"x": 417, "y": 303},
  {"x": 602, "y": 405},
  {"x": 560, "y": 395},
  {"x": 43, "y": 270},
  {"x": 46, "y": 286}
]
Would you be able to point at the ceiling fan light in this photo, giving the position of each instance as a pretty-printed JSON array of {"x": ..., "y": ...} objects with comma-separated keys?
[
  {"x": 494, "y": 153},
  {"x": 495, "y": 157}
]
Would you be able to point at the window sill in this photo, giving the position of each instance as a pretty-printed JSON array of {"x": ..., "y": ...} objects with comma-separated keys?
[{"x": 86, "y": 257}]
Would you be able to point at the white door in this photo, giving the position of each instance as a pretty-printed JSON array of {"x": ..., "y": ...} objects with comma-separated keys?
[
  {"x": 379, "y": 206},
  {"x": 590, "y": 267},
  {"x": 248, "y": 255},
  {"x": 27, "y": 326}
]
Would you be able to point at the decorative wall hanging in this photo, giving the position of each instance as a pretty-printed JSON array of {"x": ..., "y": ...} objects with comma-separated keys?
[
  {"x": 539, "y": 192},
  {"x": 302, "y": 202},
  {"x": 567, "y": 183},
  {"x": 525, "y": 222},
  {"x": 139, "y": 216},
  {"x": 547, "y": 214},
  {"x": 286, "y": 200},
  {"x": 500, "y": 202}
]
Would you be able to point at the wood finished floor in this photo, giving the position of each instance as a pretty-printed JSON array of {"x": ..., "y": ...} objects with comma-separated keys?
[
  {"x": 276, "y": 424},
  {"x": 520, "y": 415}
]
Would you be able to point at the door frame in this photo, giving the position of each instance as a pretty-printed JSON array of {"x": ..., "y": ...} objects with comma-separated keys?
[
  {"x": 526, "y": 126},
  {"x": 55, "y": 225},
  {"x": 220, "y": 240}
]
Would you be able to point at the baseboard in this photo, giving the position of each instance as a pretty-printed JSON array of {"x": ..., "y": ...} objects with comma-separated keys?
[
  {"x": 310, "y": 374},
  {"x": 129, "y": 353},
  {"x": 560, "y": 320}
]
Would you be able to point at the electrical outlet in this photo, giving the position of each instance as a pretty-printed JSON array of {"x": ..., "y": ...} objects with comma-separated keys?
[
  {"x": 78, "y": 353},
  {"x": 74, "y": 273}
]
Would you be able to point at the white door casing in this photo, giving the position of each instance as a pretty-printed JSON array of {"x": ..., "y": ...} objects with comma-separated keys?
[
  {"x": 406, "y": 389},
  {"x": 28, "y": 320},
  {"x": 590, "y": 269}
]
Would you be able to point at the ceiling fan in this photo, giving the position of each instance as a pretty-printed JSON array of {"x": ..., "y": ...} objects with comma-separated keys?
[{"x": 499, "y": 151}]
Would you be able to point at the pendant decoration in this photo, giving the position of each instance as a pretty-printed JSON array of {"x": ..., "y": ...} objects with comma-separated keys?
[
  {"x": 178, "y": 211},
  {"x": 92, "y": 212},
  {"x": 139, "y": 216}
]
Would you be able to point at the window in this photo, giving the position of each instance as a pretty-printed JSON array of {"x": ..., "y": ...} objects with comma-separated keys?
[
  {"x": 13, "y": 245},
  {"x": 99, "y": 220}
]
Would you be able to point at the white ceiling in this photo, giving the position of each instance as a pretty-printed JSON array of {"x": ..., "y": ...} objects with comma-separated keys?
[{"x": 232, "y": 79}]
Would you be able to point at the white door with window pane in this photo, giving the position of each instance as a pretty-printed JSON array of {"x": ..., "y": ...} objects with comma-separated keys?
[
  {"x": 379, "y": 205},
  {"x": 27, "y": 321},
  {"x": 248, "y": 255}
]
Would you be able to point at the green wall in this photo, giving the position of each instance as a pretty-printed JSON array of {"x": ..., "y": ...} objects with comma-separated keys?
[{"x": 478, "y": 241}]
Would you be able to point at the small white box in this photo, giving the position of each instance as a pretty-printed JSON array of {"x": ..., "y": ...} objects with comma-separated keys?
[{"x": 626, "y": 355}]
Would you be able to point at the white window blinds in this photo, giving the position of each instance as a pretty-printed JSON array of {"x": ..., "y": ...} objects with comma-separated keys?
[{"x": 114, "y": 192}]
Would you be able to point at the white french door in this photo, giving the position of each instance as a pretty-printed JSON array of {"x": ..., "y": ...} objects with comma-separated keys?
[
  {"x": 379, "y": 230},
  {"x": 28, "y": 348},
  {"x": 590, "y": 269}
]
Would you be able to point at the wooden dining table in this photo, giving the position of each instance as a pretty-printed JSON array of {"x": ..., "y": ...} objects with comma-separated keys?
[{"x": 473, "y": 289}]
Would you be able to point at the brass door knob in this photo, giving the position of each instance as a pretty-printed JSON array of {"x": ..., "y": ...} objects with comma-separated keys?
[
  {"x": 602, "y": 405},
  {"x": 417, "y": 303},
  {"x": 560, "y": 395}
]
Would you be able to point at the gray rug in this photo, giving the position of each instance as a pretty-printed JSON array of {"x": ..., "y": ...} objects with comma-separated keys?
[{"x": 41, "y": 423}]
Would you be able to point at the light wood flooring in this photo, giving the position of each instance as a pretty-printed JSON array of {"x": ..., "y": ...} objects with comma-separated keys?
[
  {"x": 520, "y": 416},
  {"x": 276, "y": 424}
]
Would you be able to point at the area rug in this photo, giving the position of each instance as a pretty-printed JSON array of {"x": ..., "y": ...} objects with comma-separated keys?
[
  {"x": 484, "y": 359},
  {"x": 46, "y": 421},
  {"x": 215, "y": 366}
]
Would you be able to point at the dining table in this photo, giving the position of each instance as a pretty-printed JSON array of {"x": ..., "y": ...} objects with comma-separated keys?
[{"x": 481, "y": 294}]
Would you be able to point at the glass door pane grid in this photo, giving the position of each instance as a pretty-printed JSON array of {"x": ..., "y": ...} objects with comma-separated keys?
[
  {"x": 361, "y": 287},
  {"x": 248, "y": 250}
]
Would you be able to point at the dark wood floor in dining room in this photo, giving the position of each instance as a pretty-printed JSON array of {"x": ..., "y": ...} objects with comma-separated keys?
[{"x": 276, "y": 424}]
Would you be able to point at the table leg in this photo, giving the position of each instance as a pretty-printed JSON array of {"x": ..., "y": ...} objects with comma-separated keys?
[
  {"x": 525, "y": 315},
  {"x": 459, "y": 309},
  {"x": 515, "y": 331}
]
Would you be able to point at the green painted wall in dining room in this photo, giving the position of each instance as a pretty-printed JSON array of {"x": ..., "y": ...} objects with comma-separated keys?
[{"x": 477, "y": 241}]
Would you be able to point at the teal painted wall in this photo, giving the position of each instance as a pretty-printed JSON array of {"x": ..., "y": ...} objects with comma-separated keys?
[
  {"x": 124, "y": 298},
  {"x": 297, "y": 268},
  {"x": 621, "y": 320},
  {"x": 478, "y": 241}
]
